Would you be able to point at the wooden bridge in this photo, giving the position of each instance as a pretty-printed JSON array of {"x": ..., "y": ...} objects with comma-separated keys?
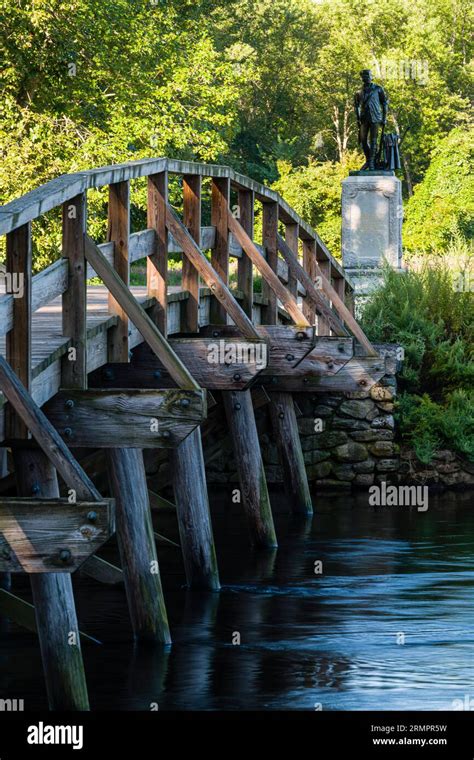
[{"x": 98, "y": 373}]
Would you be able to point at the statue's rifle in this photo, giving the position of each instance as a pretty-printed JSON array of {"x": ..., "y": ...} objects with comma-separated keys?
[{"x": 379, "y": 154}]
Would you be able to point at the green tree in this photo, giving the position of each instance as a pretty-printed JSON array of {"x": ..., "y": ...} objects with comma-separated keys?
[{"x": 443, "y": 203}]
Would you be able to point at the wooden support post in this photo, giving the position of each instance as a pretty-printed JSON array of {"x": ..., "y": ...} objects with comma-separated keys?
[
  {"x": 118, "y": 233},
  {"x": 269, "y": 242},
  {"x": 323, "y": 326},
  {"x": 291, "y": 237},
  {"x": 157, "y": 263},
  {"x": 137, "y": 545},
  {"x": 255, "y": 498},
  {"x": 74, "y": 300},
  {"x": 5, "y": 578},
  {"x": 339, "y": 287},
  {"x": 246, "y": 202},
  {"x": 190, "y": 281},
  {"x": 18, "y": 341},
  {"x": 220, "y": 253},
  {"x": 53, "y": 599},
  {"x": 309, "y": 265},
  {"x": 192, "y": 506},
  {"x": 285, "y": 426}
]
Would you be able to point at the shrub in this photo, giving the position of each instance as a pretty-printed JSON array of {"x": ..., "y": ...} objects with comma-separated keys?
[{"x": 434, "y": 322}]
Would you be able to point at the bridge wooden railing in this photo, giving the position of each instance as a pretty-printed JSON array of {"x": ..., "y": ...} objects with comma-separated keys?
[{"x": 317, "y": 260}]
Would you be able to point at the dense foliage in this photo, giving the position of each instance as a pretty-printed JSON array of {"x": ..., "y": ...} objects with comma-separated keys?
[
  {"x": 264, "y": 85},
  {"x": 433, "y": 320}
]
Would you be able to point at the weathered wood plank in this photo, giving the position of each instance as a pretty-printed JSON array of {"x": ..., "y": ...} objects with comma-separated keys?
[
  {"x": 309, "y": 266},
  {"x": 358, "y": 374},
  {"x": 192, "y": 507},
  {"x": 139, "y": 317},
  {"x": 220, "y": 195},
  {"x": 279, "y": 290},
  {"x": 118, "y": 233},
  {"x": 137, "y": 546},
  {"x": 157, "y": 262},
  {"x": 210, "y": 277},
  {"x": 45, "y": 434},
  {"x": 130, "y": 418},
  {"x": 246, "y": 203},
  {"x": 190, "y": 275},
  {"x": 285, "y": 425},
  {"x": 248, "y": 459},
  {"x": 327, "y": 357},
  {"x": 287, "y": 344},
  {"x": 291, "y": 238},
  {"x": 51, "y": 535},
  {"x": 218, "y": 365},
  {"x": 269, "y": 242},
  {"x": 324, "y": 325},
  {"x": 18, "y": 343},
  {"x": 74, "y": 302}
]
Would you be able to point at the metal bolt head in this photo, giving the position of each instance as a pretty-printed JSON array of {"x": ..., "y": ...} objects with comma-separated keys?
[
  {"x": 215, "y": 333},
  {"x": 274, "y": 380},
  {"x": 300, "y": 335},
  {"x": 92, "y": 516},
  {"x": 305, "y": 380},
  {"x": 341, "y": 347},
  {"x": 108, "y": 374},
  {"x": 68, "y": 432},
  {"x": 330, "y": 365},
  {"x": 281, "y": 415},
  {"x": 237, "y": 377},
  {"x": 290, "y": 357},
  {"x": 35, "y": 488},
  {"x": 64, "y": 555},
  {"x": 237, "y": 406},
  {"x": 166, "y": 434},
  {"x": 184, "y": 402},
  {"x": 362, "y": 382},
  {"x": 69, "y": 403},
  {"x": 157, "y": 374}
]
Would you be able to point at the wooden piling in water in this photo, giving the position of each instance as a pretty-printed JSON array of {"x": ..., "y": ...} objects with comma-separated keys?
[
  {"x": 248, "y": 458},
  {"x": 5, "y": 578},
  {"x": 53, "y": 599},
  {"x": 285, "y": 426},
  {"x": 137, "y": 546},
  {"x": 192, "y": 506}
]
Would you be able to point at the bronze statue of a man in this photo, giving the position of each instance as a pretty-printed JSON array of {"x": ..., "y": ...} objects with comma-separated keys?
[{"x": 371, "y": 105}]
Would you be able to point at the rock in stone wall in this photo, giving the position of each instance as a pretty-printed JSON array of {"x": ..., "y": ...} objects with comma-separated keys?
[{"x": 356, "y": 447}]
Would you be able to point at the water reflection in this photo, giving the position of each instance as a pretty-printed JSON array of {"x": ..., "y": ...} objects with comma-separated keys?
[{"x": 387, "y": 625}]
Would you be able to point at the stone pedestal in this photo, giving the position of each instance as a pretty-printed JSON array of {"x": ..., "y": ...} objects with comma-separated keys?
[{"x": 372, "y": 214}]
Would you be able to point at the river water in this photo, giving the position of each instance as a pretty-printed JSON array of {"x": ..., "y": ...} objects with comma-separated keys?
[{"x": 387, "y": 625}]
